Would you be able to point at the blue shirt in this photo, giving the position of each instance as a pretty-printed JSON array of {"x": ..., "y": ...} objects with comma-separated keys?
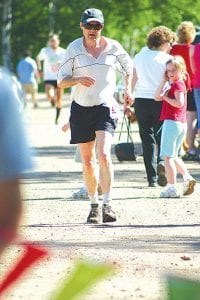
[
  {"x": 26, "y": 70},
  {"x": 14, "y": 150}
]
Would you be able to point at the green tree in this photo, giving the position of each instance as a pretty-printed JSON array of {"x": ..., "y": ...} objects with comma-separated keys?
[{"x": 127, "y": 21}]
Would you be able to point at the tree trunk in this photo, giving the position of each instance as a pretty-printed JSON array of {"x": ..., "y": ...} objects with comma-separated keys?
[{"x": 6, "y": 34}]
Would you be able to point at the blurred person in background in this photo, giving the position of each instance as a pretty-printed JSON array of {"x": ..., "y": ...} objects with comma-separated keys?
[
  {"x": 185, "y": 34},
  {"x": 51, "y": 57},
  {"x": 14, "y": 159},
  {"x": 28, "y": 76},
  {"x": 148, "y": 70}
]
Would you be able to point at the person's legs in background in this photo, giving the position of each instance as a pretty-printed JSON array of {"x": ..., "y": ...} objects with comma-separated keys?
[
  {"x": 191, "y": 128},
  {"x": 59, "y": 96},
  {"x": 34, "y": 95},
  {"x": 148, "y": 113},
  {"x": 157, "y": 125},
  {"x": 50, "y": 93}
]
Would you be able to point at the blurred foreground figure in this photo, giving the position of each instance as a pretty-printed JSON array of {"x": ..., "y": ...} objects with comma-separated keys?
[{"x": 14, "y": 158}]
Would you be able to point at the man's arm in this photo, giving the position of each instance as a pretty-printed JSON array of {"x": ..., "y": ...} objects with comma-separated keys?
[
  {"x": 69, "y": 81},
  {"x": 38, "y": 62},
  {"x": 128, "y": 98}
]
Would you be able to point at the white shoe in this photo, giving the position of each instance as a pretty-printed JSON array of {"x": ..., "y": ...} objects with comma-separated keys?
[
  {"x": 169, "y": 193},
  {"x": 80, "y": 194},
  {"x": 188, "y": 186}
]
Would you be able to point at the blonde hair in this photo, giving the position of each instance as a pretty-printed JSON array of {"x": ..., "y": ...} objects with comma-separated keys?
[
  {"x": 179, "y": 64},
  {"x": 186, "y": 32}
]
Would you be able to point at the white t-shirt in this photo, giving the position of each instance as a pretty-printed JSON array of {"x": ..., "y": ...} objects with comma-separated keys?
[
  {"x": 52, "y": 59},
  {"x": 150, "y": 66},
  {"x": 78, "y": 62}
]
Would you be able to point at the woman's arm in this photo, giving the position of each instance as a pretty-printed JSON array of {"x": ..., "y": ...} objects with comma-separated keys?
[
  {"x": 158, "y": 95},
  {"x": 192, "y": 62}
]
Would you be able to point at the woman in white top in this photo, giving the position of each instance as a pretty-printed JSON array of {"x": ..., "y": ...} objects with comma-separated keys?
[{"x": 149, "y": 66}]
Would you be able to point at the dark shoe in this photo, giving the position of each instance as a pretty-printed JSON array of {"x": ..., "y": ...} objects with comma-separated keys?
[
  {"x": 152, "y": 184},
  {"x": 190, "y": 157},
  {"x": 94, "y": 214},
  {"x": 108, "y": 214},
  {"x": 162, "y": 180}
]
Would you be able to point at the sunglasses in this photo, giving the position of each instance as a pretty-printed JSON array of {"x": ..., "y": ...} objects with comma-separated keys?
[{"x": 92, "y": 26}]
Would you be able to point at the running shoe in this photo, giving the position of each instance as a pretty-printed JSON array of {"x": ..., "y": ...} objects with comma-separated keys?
[
  {"x": 93, "y": 216},
  {"x": 169, "y": 193},
  {"x": 188, "y": 186},
  {"x": 108, "y": 214},
  {"x": 80, "y": 194}
]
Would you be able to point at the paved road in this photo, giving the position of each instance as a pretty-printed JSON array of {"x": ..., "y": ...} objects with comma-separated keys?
[{"x": 145, "y": 244}]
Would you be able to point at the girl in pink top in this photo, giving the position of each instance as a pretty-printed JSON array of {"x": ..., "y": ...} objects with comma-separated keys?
[{"x": 173, "y": 92}]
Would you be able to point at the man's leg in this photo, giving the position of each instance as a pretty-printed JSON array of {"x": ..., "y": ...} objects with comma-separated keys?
[
  {"x": 50, "y": 92},
  {"x": 90, "y": 178},
  {"x": 10, "y": 211},
  {"x": 34, "y": 94},
  {"x": 104, "y": 142},
  {"x": 59, "y": 96}
]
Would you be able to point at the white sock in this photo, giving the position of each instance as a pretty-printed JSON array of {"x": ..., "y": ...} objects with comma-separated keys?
[
  {"x": 106, "y": 198},
  {"x": 171, "y": 186},
  {"x": 93, "y": 198},
  {"x": 187, "y": 177}
]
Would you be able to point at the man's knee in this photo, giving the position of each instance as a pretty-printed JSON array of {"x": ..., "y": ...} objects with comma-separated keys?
[{"x": 104, "y": 158}]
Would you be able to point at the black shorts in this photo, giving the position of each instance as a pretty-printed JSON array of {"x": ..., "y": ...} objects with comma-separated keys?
[
  {"x": 51, "y": 82},
  {"x": 191, "y": 106},
  {"x": 85, "y": 121}
]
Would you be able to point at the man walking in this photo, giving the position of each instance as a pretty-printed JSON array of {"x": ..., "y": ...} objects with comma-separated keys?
[{"x": 89, "y": 67}]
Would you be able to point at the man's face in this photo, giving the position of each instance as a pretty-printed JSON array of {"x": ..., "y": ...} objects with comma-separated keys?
[
  {"x": 54, "y": 42},
  {"x": 92, "y": 30}
]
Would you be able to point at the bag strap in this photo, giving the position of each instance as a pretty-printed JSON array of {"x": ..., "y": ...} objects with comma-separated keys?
[
  {"x": 121, "y": 128},
  {"x": 128, "y": 127}
]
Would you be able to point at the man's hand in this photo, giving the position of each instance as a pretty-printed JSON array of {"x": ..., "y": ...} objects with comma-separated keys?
[
  {"x": 86, "y": 80},
  {"x": 66, "y": 127},
  {"x": 130, "y": 113},
  {"x": 128, "y": 99}
]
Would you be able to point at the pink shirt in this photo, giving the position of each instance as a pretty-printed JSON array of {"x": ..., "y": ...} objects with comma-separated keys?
[
  {"x": 170, "y": 112},
  {"x": 196, "y": 61}
]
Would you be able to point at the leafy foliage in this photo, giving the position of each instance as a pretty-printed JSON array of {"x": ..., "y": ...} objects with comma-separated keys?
[{"x": 127, "y": 21}]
